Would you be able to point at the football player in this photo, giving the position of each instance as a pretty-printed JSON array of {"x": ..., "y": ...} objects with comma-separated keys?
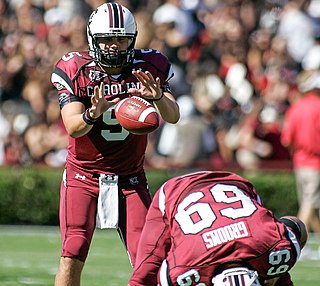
[
  {"x": 104, "y": 182},
  {"x": 211, "y": 228}
]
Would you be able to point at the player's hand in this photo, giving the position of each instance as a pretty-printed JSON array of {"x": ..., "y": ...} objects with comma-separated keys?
[
  {"x": 99, "y": 103},
  {"x": 149, "y": 87}
]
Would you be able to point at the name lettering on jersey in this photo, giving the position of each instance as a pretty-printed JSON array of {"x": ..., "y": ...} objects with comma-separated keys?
[
  {"x": 224, "y": 234},
  {"x": 115, "y": 89}
]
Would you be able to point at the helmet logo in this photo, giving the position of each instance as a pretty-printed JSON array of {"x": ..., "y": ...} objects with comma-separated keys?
[{"x": 95, "y": 75}]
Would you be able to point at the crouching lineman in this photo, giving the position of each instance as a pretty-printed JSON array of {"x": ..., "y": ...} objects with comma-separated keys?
[{"x": 211, "y": 228}]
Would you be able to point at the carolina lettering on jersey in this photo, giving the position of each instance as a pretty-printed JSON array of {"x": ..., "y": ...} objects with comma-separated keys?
[
  {"x": 78, "y": 74},
  {"x": 223, "y": 234},
  {"x": 115, "y": 89}
]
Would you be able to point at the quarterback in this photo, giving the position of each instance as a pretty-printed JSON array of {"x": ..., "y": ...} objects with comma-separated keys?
[{"x": 104, "y": 183}]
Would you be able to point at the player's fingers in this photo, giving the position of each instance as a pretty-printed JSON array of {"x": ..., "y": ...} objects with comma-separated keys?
[
  {"x": 142, "y": 77},
  {"x": 94, "y": 98},
  {"x": 96, "y": 91},
  {"x": 158, "y": 81},
  {"x": 149, "y": 76},
  {"x": 137, "y": 74},
  {"x": 101, "y": 90},
  {"x": 134, "y": 91},
  {"x": 146, "y": 83},
  {"x": 114, "y": 101},
  {"x": 154, "y": 84}
]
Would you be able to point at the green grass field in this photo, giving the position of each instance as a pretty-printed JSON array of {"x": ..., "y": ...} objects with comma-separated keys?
[{"x": 30, "y": 256}]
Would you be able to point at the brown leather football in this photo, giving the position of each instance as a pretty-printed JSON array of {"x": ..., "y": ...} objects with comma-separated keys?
[{"x": 137, "y": 115}]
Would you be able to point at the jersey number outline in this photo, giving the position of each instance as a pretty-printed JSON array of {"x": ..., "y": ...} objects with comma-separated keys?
[
  {"x": 190, "y": 206},
  {"x": 110, "y": 120}
]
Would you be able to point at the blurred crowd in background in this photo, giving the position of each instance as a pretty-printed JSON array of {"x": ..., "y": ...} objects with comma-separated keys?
[{"x": 237, "y": 64}]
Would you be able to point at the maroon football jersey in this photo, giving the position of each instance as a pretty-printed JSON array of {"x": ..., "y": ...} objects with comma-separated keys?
[
  {"x": 199, "y": 221},
  {"x": 107, "y": 148}
]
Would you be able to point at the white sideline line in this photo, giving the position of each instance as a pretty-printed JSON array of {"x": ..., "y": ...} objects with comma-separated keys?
[
  {"x": 40, "y": 230},
  {"x": 29, "y": 230}
]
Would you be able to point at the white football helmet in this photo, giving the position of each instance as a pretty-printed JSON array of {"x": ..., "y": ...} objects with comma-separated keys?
[
  {"x": 240, "y": 276},
  {"x": 111, "y": 20}
]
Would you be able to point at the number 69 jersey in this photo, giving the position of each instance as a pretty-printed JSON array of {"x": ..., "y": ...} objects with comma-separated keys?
[
  {"x": 107, "y": 147},
  {"x": 200, "y": 221}
]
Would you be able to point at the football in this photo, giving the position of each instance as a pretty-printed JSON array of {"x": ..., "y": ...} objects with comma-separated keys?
[{"x": 137, "y": 115}]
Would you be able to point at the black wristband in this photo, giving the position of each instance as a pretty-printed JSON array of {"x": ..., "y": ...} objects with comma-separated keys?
[
  {"x": 87, "y": 118},
  {"x": 157, "y": 99}
]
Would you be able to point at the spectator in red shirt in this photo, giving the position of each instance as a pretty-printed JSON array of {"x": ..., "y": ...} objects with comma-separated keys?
[{"x": 301, "y": 134}]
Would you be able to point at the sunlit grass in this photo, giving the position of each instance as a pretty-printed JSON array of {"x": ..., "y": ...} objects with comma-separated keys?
[{"x": 30, "y": 256}]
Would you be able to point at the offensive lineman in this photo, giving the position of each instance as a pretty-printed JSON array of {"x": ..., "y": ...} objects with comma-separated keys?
[{"x": 210, "y": 228}]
